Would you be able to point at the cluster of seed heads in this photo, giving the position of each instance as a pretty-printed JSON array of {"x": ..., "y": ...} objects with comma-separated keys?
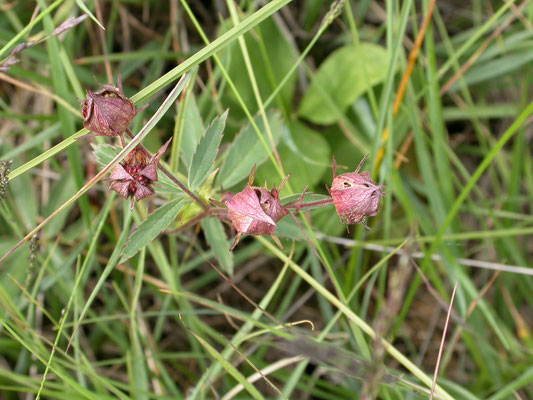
[{"x": 5, "y": 168}]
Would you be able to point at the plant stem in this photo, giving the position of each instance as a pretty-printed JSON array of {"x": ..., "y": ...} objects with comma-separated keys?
[{"x": 308, "y": 205}]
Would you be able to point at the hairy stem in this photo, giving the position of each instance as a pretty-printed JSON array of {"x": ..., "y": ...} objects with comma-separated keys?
[{"x": 295, "y": 204}]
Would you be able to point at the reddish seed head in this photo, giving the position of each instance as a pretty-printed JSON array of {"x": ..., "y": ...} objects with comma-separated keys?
[
  {"x": 135, "y": 176},
  {"x": 256, "y": 210},
  {"x": 108, "y": 112},
  {"x": 355, "y": 195}
]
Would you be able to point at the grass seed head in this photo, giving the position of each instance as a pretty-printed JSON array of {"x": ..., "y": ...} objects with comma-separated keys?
[{"x": 5, "y": 168}]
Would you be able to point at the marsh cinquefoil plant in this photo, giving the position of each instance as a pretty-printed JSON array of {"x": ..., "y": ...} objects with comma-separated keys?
[{"x": 253, "y": 211}]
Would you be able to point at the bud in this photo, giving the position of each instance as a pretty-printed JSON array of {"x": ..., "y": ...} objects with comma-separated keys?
[
  {"x": 256, "y": 210},
  {"x": 108, "y": 112},
  {"x": 355, "y": 195},
  {"x": 135, "y": 176}
]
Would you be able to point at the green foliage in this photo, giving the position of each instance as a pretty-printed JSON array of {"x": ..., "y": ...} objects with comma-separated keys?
[
  {"x": 342, "y": 78},
  {"x": 306, "y": 156},
  {"x": 150, "y": 228},
  {"x": 193, "y": 128},
  {"x": 217, "y": 240},
  {"x": 246, "y": 150},
  {"x": 206, "y": 152},
  {"x": 271, "y": 57},
  {"x": 113, "y": 303}
]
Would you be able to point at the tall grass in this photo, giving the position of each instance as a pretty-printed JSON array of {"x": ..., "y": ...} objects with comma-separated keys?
[{"x": 101, "y": 302}]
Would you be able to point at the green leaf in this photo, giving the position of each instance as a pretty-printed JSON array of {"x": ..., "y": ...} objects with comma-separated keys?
[
  {"x": 305, "y": 154},
  {"x": 151, "y": 227},
  {"x": 104, "y": 153},
  {"x": 341, "y": 79},
  {"x": 247, "y": 151},
  {"x": 193, "y": 129},
  {"x": 216, "y": 238},
  {"x": 206, "y": 152}
]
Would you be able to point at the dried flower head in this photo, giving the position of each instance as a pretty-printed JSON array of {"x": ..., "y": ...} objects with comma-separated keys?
[
  {"x": 135, "y": 176},
  {"x": 355, "y": 195},
  {"x": 108, "y": 112},
  {"x": 256, "y": 210},
  {"x": 5, "y": 168}
]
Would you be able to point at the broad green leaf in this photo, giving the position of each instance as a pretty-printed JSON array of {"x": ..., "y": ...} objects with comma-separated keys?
[
  {"x": 151, "y": 227},
  {"x": 247, "y": 151},
  {"x": 305, "y": 154},
  {"x": 341, "y": 79},
  {"x": 193, "y": 129},
  {"x": 216, "y": 238},
  {"x": 206, "y": 152}
]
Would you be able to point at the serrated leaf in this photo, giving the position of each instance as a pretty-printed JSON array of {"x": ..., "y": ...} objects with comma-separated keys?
[
  {"x": 206, "y": 152},
  {"x": 341, "y": 79},
  {"x": 216, "y": 238},
  {"x": 147, "y": 231},
  {"x": 193, "y": 129},
  {"x": 247, "y": 150}
]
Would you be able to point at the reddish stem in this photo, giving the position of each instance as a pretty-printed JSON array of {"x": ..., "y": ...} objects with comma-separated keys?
[{"x": 308, "y": 205}]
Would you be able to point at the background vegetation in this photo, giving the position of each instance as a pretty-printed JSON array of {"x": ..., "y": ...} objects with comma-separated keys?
[{"x": 438, "y": 94}]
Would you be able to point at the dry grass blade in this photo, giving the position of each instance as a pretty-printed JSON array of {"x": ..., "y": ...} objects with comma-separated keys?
[
  {"x": 437, "y": 366},
  {"x": 285, "y": 362}
]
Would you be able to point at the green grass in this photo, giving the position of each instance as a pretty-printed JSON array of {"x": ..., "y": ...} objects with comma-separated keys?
[{"x": 96, "y": 311}]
